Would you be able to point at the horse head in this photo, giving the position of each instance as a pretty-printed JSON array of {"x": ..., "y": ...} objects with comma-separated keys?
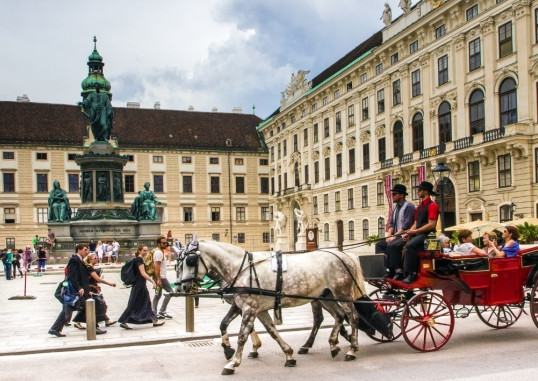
[{"x": 192, "y": 269}]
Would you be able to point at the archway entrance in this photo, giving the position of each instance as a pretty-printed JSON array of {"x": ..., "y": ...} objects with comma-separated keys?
[
  {"x": 449, "y": 201},
  {"x": 340, "y": 234}
]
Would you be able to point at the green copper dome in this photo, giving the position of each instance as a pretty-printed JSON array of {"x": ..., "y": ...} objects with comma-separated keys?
[{"x": 95, "y": 73}]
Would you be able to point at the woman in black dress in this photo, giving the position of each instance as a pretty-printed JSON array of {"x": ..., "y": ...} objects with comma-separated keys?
[
  {"x": 138, "y": 309},
  {"x": 95, "y": 291}
]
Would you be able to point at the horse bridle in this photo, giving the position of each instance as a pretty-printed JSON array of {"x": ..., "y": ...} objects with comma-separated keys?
[{"x": 191, "y": 256}]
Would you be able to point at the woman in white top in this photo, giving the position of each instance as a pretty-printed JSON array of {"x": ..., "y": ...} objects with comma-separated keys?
[
  {"x": 465, "y": 237},
  {"x": 99, "y": 250}
]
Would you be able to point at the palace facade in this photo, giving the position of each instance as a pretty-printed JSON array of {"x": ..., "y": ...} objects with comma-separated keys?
[{"x": 451, "y": 82}]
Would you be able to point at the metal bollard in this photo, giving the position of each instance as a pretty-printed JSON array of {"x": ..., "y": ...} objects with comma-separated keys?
[
  {"x": 189, "y": 314},
  {"x": 90, "y": 319}
]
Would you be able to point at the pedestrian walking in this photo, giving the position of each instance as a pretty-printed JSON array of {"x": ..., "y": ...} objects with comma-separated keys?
[
  {"x": 28, "y": 258},
  {"x": 115, "y": 251},
  {"x": 138, "y": 309},
  {"x": 99, "y": 251},
  {"x": 161, "y": 258},
  {"x": 16, "y": 263},
  {"x": 41, "y": 258},
  {"x": 77, "y": 276},
  {"x": 92, "y": 245},
  {"x": 8, "y": 260}
]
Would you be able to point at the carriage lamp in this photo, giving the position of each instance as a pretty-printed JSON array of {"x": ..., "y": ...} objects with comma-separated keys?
[{"x": 441, "y": 174}]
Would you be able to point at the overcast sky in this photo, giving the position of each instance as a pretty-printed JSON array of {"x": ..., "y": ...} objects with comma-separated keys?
[{"x": 204, "y": 53}]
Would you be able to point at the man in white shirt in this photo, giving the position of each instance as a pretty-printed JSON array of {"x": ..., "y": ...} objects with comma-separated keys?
[
  {"x": 115, "y": 251},
  {"x": 161, "y": 257}
]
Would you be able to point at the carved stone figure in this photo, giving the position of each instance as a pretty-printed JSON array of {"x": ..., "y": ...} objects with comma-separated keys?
[
  {"x": 387, "y": 15},
  {"x": 99, "y": 110},
  {"x": 103, "y": 187},
  {"x": 117, "y": 188},
  {"x": 280, "y": 222},
  {"x": 59, "y": 209},
  {"x": 405, "y": 5},
  {"x": 301, "y": 225},
  {"x": 144, "y": 206},
  {"x": 87, "y": 194}
]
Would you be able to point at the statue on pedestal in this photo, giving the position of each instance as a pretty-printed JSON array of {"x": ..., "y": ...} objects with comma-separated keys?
[
  {"x": 59, "y": 209},
  {"x": 405, "y": 5},
  {"x": 144, "y": 206},
  {"x": 387, "y": 15},
  {"x": 280, "y": 222},
  {"x": 301, "y": 225},
  {"x": 99, "y": 110}
]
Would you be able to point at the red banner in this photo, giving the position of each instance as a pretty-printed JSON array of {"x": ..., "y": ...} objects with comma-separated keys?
[
  {"x": 421, "y": 170},
  {"x": 388, "y": 193}
]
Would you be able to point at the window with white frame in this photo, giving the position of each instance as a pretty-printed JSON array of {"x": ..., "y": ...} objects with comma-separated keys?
[
  {"x": 351, "y": 230},
  {"x": 337, "y": 206},
  {"x": 326, "y": 232},
  {"x": 42, "y": 215},
  {"x": 365, "y": 229},
  {"x": 240, "y": 213}
]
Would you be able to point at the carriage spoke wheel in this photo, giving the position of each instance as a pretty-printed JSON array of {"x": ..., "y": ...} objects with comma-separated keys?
[
  {"x": 427, "y": 322},
  {"x": 501, "y": 316},
  {"x": 393, "y": 311},
  {"x": 534, "y": 304}
]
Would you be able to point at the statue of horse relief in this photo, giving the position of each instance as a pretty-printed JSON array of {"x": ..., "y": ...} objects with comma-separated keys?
[{"x": 308, "y": 275}]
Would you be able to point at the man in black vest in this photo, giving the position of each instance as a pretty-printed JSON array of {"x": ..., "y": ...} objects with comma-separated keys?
[
  {"x": 402, "y": 218},
  {"x": 77, "y": 274},
  {"x": 426, "y": 216}
]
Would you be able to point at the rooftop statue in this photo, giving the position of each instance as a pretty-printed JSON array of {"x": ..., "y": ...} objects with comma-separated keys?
[
  {"x": 144, "y": 206},
  {"x": 59, "y": 209},
  {"x": 405, "y": 5},
  {"x": 99, "y": 110},
  {"x": 387, "y": 15}
]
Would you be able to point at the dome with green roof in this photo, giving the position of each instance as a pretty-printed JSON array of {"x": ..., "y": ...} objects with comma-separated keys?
[{"x": 95, "y": 73}]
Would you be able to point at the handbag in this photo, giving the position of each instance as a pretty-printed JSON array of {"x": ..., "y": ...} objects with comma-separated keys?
[{"x": 71, "y": 297}]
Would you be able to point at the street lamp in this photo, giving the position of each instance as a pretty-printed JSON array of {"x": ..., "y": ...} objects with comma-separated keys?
[{"x": 441, "y": 173}]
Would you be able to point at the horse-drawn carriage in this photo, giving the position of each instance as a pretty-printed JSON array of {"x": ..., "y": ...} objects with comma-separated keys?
[{"x": 424, "y": 312}]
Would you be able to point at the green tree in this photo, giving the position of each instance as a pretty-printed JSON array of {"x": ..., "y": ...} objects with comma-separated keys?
[{"x": 527, "y": 233}]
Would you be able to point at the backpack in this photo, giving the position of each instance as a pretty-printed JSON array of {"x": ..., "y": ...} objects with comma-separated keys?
[
  {"x": 4, "y": 258},
  {"x": 149, "y": 265},
  {"x": 127, "y": 274}
]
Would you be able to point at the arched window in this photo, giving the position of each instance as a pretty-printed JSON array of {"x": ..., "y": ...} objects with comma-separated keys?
[
  {"x": 445, "y": 123},
  {"x": 325, "y": 232},
  {"x": 508, "y": 102},
  {"x": 476, "y": 112},
  {"x": 296, "y": 173},
  {"x": 365, "y": 229},
  {"x": 351, "y": 229},
  {"x": 381, "y": 227},
  {"x": 398, "y": 139},
  {"x": 418, "y": 132}
]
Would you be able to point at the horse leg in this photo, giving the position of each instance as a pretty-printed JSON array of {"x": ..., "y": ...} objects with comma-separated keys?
[
  {"x": 337, "y": 313},
  {"x": 318, "y": 319},
  {"x": 247, "y": 324},
  {"x": 256, "y": 343},
  {"x": 233, "y": 312},
  {"x": 353, "y": 317},
  {"x": 267, "y": 322}
]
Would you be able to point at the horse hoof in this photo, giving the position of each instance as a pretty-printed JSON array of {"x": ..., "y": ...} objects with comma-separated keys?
[
  {"x": 227, "y": 372},
  {"x": 335, "y": 351},
  {"x": 290, "y": 363},
  {"x": 228, "y": 352},
  {"x": 253, "y": 355},
  {"x": 303, "y": 351},
  {"x": 350, "y": 357}
]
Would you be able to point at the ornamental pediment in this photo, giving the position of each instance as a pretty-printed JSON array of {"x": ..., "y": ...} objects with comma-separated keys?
[{"x": 297, "y": 87}]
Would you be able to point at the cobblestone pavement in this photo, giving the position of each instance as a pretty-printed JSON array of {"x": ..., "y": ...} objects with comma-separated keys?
[{"x": 25, "y": 322}]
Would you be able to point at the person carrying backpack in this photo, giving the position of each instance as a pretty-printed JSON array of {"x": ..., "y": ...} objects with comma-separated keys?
[{"x": 160, "y": 260}]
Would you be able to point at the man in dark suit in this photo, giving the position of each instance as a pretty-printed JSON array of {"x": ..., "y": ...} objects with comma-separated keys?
[{"x": 78, "y": 276}]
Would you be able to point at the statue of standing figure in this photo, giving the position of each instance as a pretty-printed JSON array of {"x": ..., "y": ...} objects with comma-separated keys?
[
  {"x": 59, "y": 209},
  {"x": 144, "y": 206},
  {"x": 405, "y": 5},
  {"x": 301, "y": 225},
  {"x": 98, "y": 108},
  {"x": 280, "y": 222},
  {"x": 387, "y": 15}
]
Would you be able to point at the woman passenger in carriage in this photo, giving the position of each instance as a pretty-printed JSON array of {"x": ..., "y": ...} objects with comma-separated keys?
[
  {"x": 466, "y": 246},
  {"x": 511, "y": 244},
  {"x": 487, "y": 238}
]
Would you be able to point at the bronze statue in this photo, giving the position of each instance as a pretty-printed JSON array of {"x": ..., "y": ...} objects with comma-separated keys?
[
  {"x": 117, "y": 188},
  {"x": 59, "y": 209},
  {"x": 143, "y": 207},
  {"x": 87, "y": 194},
  {"x": 98, "y": 108},
  {"x": 103, "y": 187}
]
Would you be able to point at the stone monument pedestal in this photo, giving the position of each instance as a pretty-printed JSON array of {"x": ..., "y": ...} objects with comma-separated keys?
[
  {"x": 282, "y": 243},
  {"x": 300, "y": 245}
]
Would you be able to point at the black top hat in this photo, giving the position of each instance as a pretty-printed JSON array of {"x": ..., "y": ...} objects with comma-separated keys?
[
  {"x": 426, "y": 185},
  {"x": 399, "y": 188}
]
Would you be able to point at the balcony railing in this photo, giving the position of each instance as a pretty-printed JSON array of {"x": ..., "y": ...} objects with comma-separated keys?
[
  {"x": 407, "y": 158},
  {"x": 387, "y": 163},
  {"x": 492, "y": 135},
  {"x": 433, "y": 151},
  {"x": 463, "y": 143}
]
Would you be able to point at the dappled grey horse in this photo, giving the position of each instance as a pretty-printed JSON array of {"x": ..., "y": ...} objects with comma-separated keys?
[{"x": 308, "y": 276}]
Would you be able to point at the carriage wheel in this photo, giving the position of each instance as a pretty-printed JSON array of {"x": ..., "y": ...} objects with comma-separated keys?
[
  {"x": 534, "y": 304},
  {"x": 427, "y": 322},
  {"x": 501, "y": 316},
  {"x": 394, "y": 312}
]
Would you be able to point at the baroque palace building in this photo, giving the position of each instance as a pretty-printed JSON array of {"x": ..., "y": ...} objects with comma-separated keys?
[
  {"x": 210, "y": 168},
  {"x": 451, "y": 81}
]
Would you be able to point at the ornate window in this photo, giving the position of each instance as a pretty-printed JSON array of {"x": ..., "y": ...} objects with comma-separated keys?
[
  {"x": 418, "y": 132},
  {"x": 398, "y": 139},
  {"x": 476, "y": 112},
  {"x": 508, "y": 102}
]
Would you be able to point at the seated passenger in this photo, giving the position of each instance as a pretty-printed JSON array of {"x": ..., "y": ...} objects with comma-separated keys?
[
  {"x": 445, "y": 244},
  {"x": 511, "y": 244},
  {"x": 466, "y": 246},
  {"x": 487, "y": 238}
]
